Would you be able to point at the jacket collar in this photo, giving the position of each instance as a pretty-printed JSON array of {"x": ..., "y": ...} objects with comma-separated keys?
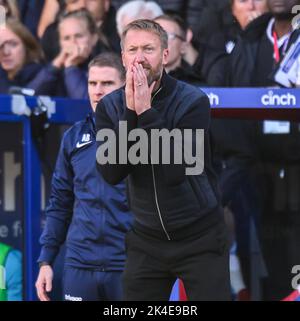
[
  {"x": 167, "y": 86},
  {"x": 90, "y": 120}
]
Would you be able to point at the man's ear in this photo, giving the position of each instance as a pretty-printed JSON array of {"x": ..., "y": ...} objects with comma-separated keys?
[
  {"x": 165, "y": 57},
  {"x": 189, "y": 35}
]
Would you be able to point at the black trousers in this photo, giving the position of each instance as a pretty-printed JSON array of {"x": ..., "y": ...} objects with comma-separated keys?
[{"x": 201, "y": 262}]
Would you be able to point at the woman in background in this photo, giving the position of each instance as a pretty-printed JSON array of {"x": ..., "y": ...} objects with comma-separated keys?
[{"x": 21, "y": 60}]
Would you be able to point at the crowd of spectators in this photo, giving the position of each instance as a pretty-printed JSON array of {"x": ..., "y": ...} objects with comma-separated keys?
[{"x": 220, "y": 41}]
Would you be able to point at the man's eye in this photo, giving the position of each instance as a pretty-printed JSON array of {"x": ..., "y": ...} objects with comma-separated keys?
[
  {"x": 149, "y": 49},
  {"x": 92, "y": 83}
]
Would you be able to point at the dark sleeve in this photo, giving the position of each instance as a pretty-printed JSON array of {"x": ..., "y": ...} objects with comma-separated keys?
[
  {"x": 196, "y": 117},
  {"x": 113, "y": 173},
  {"x": 76, "y": 82},
  {"x": 60, "y": 209},
  {"x": 46, "y": 81}
]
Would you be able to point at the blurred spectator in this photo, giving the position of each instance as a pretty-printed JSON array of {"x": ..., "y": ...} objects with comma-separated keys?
[
  {"x": 136, "y": 9},
  {"x": 21, "y": 60},
  {"x": 10, "y": 274},
  {"x": 79, "y": 43},
  {"x": 30, "y": 12},
  {"x": 234, "y": 18},
  {"x": 176, "y": 66},
  {"x": 262, "y": 45},
  {"x": 103, "y": 15},
  {"x": 241, "y": 144},
  {"x": 247, "y": 11},
  {"x": 200, "y": 15},
  {"x": 11, "y": 7},
  {"x": 91, "y": 215}
]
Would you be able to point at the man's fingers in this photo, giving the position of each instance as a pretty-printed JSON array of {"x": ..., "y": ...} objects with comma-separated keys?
[
  {"x": 129, "y": 88},
  {"x": 40, "y": 285},
  {"x": 48, "y": 284},
  {"x": 138, "y": 81},
  {"x": 44, "y": 282},
  {"x": 141, "y": 75}
]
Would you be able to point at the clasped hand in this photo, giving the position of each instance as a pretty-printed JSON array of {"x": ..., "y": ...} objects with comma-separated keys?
[{"x": 137, "y": 91}]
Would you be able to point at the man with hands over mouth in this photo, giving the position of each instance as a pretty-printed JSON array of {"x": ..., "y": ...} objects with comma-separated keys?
[{"x": 178, "y": 229}]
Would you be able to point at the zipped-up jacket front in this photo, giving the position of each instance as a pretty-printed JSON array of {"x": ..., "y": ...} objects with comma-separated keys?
[{"x": 162, "y": 197}]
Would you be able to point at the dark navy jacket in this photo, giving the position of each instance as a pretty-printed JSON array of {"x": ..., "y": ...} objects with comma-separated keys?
[
  {"x": 90, "y": 214},
  {"x": 163, "y": 199}
]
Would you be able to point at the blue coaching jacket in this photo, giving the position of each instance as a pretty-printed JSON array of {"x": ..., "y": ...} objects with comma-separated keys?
[{"x": 91, "y": 215}]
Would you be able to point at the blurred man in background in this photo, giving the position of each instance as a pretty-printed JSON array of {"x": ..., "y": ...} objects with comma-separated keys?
[{"x": 84, "y": 210}]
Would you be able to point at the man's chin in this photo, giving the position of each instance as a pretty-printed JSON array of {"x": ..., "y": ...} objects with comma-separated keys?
[{"x": 152, "y": 78}]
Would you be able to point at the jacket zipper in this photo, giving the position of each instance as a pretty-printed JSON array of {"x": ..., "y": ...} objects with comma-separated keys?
[
  {"x": 155, "y": 190},
  {"x": 157, "y": 205}
]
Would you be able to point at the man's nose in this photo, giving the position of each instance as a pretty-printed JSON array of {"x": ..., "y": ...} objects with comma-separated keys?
[
  {"x": 251, "y": 4},
  {"x": 99, "y": 90},
  {"x": 140, "y": 56}
]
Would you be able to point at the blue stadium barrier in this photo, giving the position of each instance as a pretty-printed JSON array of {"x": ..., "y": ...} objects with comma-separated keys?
[{"x": 264, "y": 103}]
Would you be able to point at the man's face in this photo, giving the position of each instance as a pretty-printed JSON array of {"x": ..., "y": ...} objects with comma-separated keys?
[
  {"x": 176, "y": 42},
  {"x": 97, "y": 8},
  {"x": 12, "y": 51},
  {"x": 244, "y": 9},
  {"x": 73, "y": 5},
  {"x": 144, "y": 47},
  {"x": 282, "y": 7},
  {"x": 74, "y": 33},
  {"x": 102, "y": 81}
]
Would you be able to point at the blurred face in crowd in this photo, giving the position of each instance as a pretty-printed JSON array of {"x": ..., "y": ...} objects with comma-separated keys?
[
  {"x": 73, "y": 5},
  {"x": 97, "y": 8},
  {"x": 145, "y": 48},
  {"x": 102, "y": 81},
  {"x": 12, "y": 52},
  {"x": 176, "y": 43},
  {"x": 247, "y": 10},
  {"x": 282, "y": 8},
  {"x": 127, "y": 19},
  {"x": 75, "y": 35}
]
